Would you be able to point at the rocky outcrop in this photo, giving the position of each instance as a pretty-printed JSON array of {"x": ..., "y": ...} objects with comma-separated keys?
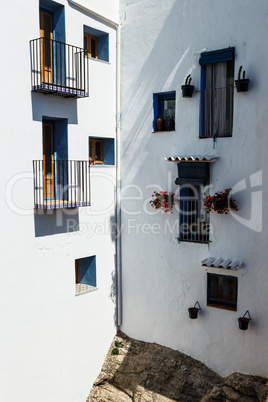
[{"x": 147, "y": 372}]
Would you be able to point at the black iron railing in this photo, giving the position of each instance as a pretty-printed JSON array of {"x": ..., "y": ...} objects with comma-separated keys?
[
  {"x": 58, "y": 68},
  {"x": 194, "y": 221},
  {"x": 61, "y": 184}
]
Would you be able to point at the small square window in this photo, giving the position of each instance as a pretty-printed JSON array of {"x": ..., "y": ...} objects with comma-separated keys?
[
  {"x": 164, "y": 105},
  {"x": 85, "y": 274},
  {"x": 101, "y": 151},
  {"x": 96, "y": 43},
  {"x": 222, "y": 291}
]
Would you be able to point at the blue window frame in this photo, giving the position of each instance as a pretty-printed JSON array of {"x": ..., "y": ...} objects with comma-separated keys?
[
  {"x": 217, "y": 88},
  {"x": 222, "y": 291},
  {"x": 96, "y": 43},
  {"x": 101, "y": 151},
  {"x": 164, "y": 105},
  {"x": 194, "y": 221}
]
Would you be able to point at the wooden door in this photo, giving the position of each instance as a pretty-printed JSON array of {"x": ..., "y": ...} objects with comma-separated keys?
[
  {"x": 48, "y": 161},
  {"x": 46, "y": 34}
]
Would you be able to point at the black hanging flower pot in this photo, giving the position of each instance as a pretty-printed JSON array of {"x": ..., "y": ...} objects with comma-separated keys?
[
  {"x": 193, "y": 311},
  {"x": 242, "y": 85},
  {"x": 242, "y": 82},
  {"x": 187, "y": 89},
  {"x": 243, "y": 321}
]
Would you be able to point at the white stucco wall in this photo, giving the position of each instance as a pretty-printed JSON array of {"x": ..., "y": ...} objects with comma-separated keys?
[
  {"x": 161, "y": 45},
  {"x": 53, "y": 343}
]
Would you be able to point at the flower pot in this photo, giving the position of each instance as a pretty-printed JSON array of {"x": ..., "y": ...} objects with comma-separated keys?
[
  {"x": 242, "y": 85},
  {"x": 243, "y": 323},
  {"x": 193, "y": 312},
  {"x": 160, "y": 124},
  {"x": 169, "y": 199},
  {"x": 187, "y": 91},
  {"x": 220, "y": 204}
]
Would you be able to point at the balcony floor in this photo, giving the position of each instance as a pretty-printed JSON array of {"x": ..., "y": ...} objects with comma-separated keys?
[
  {"x": 60, "y": 204},
  {"x": 60, "y": 90}
]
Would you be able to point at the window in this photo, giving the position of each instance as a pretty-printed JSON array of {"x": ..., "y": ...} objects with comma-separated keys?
[
  {"x": 96, "y": 43},
  {"x": 85, "y": 274},
  {"x": 194, "y": 221},
  {"x": 217, "y": 88},
  {"x": 101, "y": 151},
  {"x": 91, "y": 45},
  {"x": 164, "y": 111},
  {"x": 222, "y": 291},
  {"x": 95, "y": 151}
]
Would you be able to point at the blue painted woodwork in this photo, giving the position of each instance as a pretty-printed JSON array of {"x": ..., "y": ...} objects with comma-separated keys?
[
  {"x": 217, "y": 56},
  {"x": 158, "y": 105},
  {"x": 87, "y": 271},
  {"x": 108, "y": 151}
]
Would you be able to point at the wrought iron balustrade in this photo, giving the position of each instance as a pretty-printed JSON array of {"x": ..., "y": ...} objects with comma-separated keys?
[
  {"x": 58, "y": 68},
  {"x": 194, "y": 221},
  {"x": 61, "y": 184}
]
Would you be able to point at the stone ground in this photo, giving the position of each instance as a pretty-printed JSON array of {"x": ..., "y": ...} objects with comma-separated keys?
[{"x": 147, "y": 372}]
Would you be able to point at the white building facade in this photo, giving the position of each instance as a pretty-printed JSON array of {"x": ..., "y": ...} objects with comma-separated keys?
[
  {"x": 214, "y": 140},
  {"x": 58, "y": 289}
]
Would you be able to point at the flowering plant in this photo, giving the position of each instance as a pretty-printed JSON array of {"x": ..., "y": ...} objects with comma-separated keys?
[
  {"x": 162, "y": 200},
  {"x": 221, "y": 202}
]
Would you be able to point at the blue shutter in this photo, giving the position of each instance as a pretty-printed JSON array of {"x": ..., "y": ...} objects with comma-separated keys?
[{"x": 217, "y": 56}]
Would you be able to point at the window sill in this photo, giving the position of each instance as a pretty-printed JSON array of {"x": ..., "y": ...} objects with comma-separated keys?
[
  {"x": 211, "y": 138},
  {"x": 194, "y": 241},
  {"x": 80, "y": 289},
  {"x": 99, "y": 165},
  {"x": 165, "y": 131},
  {"x": 98, "y": 60}
]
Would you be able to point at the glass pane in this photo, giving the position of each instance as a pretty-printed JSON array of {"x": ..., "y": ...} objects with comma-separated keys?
[
  {"x": 98, "y": 151},
  {"x": 48, "y": 149},
  {"x": 93, "y": 48},
  {"x": 222, "y": 290}
]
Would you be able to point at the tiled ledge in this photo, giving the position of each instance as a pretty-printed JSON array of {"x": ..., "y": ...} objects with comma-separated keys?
[{"x": 80, "y": 288}]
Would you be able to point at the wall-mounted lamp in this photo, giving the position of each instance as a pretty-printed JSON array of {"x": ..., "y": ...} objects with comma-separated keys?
[
  {"x": 243, "y": 321},
  {"x": 193, "y": 311}
]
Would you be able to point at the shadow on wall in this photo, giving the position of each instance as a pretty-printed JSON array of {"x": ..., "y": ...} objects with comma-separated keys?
[
  {"x": 51, "y": 222},
  {"x": 155, "y": 74},
  {"x": 54, "y": 106}
]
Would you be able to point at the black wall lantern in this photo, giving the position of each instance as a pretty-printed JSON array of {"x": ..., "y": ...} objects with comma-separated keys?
[
  {"x": 193, "y": 311},
  {"x": 243, "y": 321}
]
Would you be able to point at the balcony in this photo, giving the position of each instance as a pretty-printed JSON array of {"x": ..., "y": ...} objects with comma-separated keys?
[
  {"x": 58, "y": 68},
  {"x": 61, "y": 184}
]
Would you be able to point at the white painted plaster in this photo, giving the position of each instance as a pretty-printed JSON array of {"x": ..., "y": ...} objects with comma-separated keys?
[
  {"x": 52, "y": 343},
  {"x": 161, "y": 45}
]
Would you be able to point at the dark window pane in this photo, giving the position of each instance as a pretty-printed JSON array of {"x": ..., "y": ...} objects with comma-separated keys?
[
  {"x": 98, "y": 151},
  {"x": 222, "y": 291},
  {"x": 93, "y": 48}
]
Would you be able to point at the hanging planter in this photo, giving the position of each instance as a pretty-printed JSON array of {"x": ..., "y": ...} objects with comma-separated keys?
[
  {"x": 221, "y": 202},
  {"x": 162, "y": 200},
  {"x": 241, "y": 83},
  {"x": 244, "y": 321},
  {"x": 193, "y": 311},
  {"x": 187, "y": 89}
]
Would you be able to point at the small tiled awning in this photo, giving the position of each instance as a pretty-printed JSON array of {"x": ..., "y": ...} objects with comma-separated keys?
[
  {"x": 222, "y": 263},
  {"x": 192, "y": 158}
]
